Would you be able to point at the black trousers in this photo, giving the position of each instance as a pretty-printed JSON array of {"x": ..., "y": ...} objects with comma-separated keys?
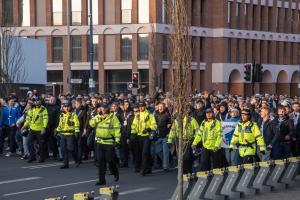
[
  {"x": 143, "y": 160},
  {"x": 52, "y": 141},
  {"x": 4, "y": 132},
  {"x": 124, "y": 151},
  {"x": 188, "y": 159},
  {"x": 69, "y": 145},
  {"x": 83, "y": 149},
  {"x": 106, "y": 154},
  {"x": 248, "y": 159},
  {"x": 36, "y": 136},
  {"x": 211, "y": 160},
  {"x": 12, "y": 139}
]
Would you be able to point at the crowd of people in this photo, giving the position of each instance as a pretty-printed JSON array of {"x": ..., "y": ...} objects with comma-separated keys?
[{"x": 117, "y": 129}]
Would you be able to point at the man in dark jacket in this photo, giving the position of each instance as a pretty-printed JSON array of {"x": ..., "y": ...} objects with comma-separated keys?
[
  {"x": 285, "y": 132},
  {"x": 92, "y": 112},
  {"x": 53, "y": 115},
  {"x": 295, "y": 117},
  {"x": 163, "y": 121},
  {"x": 199, "y": 112},
  {"x": 81, "y": 113},
  {"x": 126, "y": 119},
  {"x": 270, "y": 134}
]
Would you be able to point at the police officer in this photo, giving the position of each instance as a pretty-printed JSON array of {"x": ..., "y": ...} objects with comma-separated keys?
[
  {"x": 68, "y": 130},
  {"x": 143, "y": 124},
  {"x": 211, "y": 136},
  {"x": 190, "y": 129},
  {"x": 37, "y": 121},
  {"x": 107, "y": 137},
  {"x": 247, "y": 137}
]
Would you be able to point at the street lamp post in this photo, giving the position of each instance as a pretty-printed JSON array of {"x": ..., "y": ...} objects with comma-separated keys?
[{"x": 91, "y": 79}]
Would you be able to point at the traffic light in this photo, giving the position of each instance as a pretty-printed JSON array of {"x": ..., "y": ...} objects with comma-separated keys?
[
  {"x": 258, "y": 73},
  {"x": 248, "y": 72},
  {"x": 135, "y": 80}
]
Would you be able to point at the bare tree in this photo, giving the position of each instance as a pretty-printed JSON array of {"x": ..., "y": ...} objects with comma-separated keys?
[
  {"x": 12, "y": 70},
  {"x": 182, "y": 56}
]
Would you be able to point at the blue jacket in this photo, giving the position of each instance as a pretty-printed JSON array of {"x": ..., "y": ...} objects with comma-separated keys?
[
  {"x": 4, "y": 116},
  {"x": 14, "y": 115}
]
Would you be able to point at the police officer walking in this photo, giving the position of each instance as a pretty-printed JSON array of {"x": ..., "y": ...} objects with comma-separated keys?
[
  {"x": 211, "y": 136},
  {"x": 141, "y": 128},
  {"x": 68, "y": 130},
  {"x": 107, "y": 137},
  {"x": 247, "y": 137},
  {"x": 190, "y": 130},
  {"x": 37, "y": 121}
]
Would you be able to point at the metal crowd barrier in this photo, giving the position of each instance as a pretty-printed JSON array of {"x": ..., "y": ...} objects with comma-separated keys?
[{"x": 236, "y": 182}]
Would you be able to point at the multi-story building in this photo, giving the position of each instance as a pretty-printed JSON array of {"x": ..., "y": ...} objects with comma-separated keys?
[{"x": 133, "y": 35}]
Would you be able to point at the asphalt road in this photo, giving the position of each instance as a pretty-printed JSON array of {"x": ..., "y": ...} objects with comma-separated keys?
[{"x": 22, "y": 181}]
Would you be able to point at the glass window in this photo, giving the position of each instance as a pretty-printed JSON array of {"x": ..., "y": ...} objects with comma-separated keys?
[
  {"x": 95, "y": 11},
  {"x": 126, "y": 45},
  {"x": 246, "y": 15},
  {"x": 76, "y": 12},
  {"x": 24, "y": 12},
  {"x": 237, "y": 14},
  {"x": 54, "y": 76},
  {"x": 7, "y": 12},
  {"x": 165, "y": 48},
  {"x": 229, "y": 14},
  {"x": 143, "y": 46},
  {"x": 229, "y": 50},
  {"x": 95, "y": 49},
  {"x": 57, "y": 49},
  {"x": 164, "y": 12},
  {"x": 126, "y": 7},
  {"x": 76, "y": 49},
  {"x": 143, "y": 11},
  {"x": 202, "y": 49},
  {"x": 116, "y": 80},
  {"x": 57, "y": 12}
]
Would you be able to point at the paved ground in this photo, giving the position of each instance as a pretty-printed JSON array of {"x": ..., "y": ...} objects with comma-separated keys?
[{"x": 22, "y": 181}]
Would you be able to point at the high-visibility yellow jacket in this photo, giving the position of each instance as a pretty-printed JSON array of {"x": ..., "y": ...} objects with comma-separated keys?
[
  {"x": 68, "y": 124},
  {"x": 247, "y": 137},
  {"x": 190, "y": 129},
  {"x": 107, "y": 129},
  {"x": 143, "y": 121},
  {"x": 37, "y": 118},
  {"x": 210, "y": 134}
]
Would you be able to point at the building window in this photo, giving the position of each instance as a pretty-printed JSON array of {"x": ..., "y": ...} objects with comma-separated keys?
[
  {"x": 202, "y": 12},
  {"x": 116, "y": 80},
  {"x": 95, "y": 48},
  {"x": 76, "y": 12},
  {"x": 164, "y": 12},
  {"x": 238, "y": 56},
  {"x": 165, "y": 48},
  {"x": 143, "y": 47},
  {"x": 76, "y": 48},
  {"x": 277, "y": 19},
  {"x": 202, "y": 49},
  {"x": 126, "y": 7},
  {"x": 24, "y": 12},
  {"x": 143, "y": 11},
  {"x": 57, "y": 45},
  {"x": 229, "y": 51},
  {"x": 229, "y": 17},
  {"x": 286, "y": 20},
  {"x": 57, "y": 12},
  {"x": 7, "y": 12},
  {"x": 126, "y": 45},
  {"x": 237, "y": 14},
  {"x": 94, "y": 11},
  {"x": 255, "y": 24},
  {"x": 246, "y": 15}
]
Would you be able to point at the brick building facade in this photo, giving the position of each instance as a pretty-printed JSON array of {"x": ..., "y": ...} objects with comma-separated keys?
[{"x": 133, "y": 35}]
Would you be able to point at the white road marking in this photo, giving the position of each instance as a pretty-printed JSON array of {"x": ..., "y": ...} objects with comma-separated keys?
[
  {"x": 137, "y": 190},
  {"x": 41, "y": 166},
  {"x": 132, "y": 191},
  {"x": 47, "y": 188},
  {"x": 19, "y": 180}
]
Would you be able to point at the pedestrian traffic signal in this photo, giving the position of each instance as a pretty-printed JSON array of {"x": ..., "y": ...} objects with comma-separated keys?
[
  {"x": 248, "y": 72},
  {"x": 258, "y": 73},
  {"x": 135, "y": 80}
]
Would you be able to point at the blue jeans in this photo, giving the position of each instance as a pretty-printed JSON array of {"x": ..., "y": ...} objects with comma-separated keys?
[
  {"x": 25, "y": 146},
  {"x": 233, "y": 157},
  {"x": 162, "y": 150}
]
